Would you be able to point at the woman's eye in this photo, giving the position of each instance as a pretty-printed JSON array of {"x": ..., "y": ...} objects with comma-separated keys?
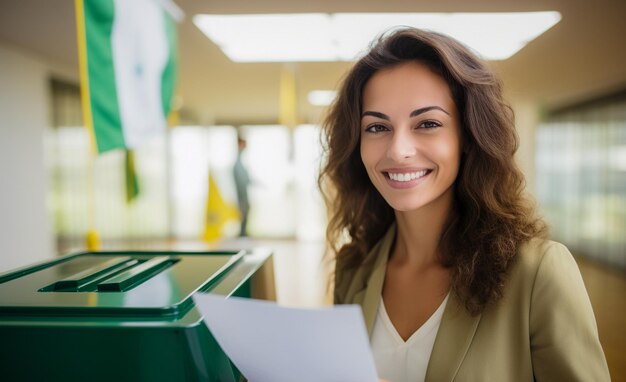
[
  {"x": 376, "y": 128},
  {"x": 429, "y": 124}
]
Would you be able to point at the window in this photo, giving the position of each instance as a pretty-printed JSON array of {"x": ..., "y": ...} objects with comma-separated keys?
[{"x": 581, "y": 178}]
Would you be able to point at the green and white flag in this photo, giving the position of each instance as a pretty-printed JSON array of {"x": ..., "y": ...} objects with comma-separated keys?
[{"x": 128, "y": 66}]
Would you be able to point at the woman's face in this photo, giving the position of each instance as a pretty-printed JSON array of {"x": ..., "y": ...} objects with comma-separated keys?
[{"x": 410, "y": 136}]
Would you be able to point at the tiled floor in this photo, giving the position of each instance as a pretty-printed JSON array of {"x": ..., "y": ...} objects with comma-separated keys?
[{"x": 301, "y": 279}]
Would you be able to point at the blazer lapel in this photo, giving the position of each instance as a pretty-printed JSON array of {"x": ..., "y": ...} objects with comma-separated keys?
[
  {"x": 457, "y": 327},
  {"x": 454, "y": 337},
  {"x": 374, "y": 289}
]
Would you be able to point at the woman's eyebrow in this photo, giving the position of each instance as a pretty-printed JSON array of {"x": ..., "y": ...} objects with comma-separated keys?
[
  {"x": 417, "y": 112},
  {"x": 376, "y": 114},
  {"x": 414, "y": 113}
]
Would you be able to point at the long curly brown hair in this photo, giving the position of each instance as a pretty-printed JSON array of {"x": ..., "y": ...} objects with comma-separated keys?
[{"x": 491, "y": 215}]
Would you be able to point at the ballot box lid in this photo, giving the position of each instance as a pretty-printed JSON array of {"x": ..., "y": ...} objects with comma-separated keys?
[{"x": 140, "y": 284}]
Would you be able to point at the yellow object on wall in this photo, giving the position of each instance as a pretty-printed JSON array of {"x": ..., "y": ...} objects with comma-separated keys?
[{"x": 288, "y": 113}]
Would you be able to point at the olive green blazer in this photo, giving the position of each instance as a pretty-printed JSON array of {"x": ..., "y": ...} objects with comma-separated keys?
[{"x": 542, "y": 329}]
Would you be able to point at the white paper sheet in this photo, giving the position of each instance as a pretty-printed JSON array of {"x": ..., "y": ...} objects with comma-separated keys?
[{"x": 270, "y": 343}]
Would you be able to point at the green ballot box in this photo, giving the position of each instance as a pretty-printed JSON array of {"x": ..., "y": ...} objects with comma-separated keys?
[{"x": 122, "y": 316}]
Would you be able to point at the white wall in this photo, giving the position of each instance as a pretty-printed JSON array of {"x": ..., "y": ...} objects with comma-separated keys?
[
  {"x": 526, "y": 121},
  {"x": 25, "y": 222}
]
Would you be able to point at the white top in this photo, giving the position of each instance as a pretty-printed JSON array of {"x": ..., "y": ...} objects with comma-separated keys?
[{"x": 400, "y": 361}]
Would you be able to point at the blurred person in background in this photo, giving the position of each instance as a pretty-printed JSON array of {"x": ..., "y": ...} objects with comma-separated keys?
[
  {"x": 242, "y": 181},
  {"x": 452, "y": 268}
]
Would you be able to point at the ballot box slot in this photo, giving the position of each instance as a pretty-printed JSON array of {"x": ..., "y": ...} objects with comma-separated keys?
[
  {"x": 136, "y": 275},
  {"x": 83, "y": 279}
]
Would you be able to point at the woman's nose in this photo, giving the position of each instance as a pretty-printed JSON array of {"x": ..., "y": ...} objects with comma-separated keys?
[{"x": 401, "y": 146}]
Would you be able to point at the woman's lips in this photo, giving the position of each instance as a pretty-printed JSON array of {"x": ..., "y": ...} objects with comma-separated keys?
[{"x": 405, "y": 178}]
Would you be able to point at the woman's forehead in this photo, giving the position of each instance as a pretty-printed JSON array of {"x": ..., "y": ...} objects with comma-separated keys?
[{"x": 408, "y": 85}]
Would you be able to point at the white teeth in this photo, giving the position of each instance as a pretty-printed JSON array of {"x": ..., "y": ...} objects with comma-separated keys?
[{"x": 405, "y": 177}]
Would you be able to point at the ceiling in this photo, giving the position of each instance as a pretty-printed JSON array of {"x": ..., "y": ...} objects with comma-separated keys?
[{"x": 582, "y": 57}]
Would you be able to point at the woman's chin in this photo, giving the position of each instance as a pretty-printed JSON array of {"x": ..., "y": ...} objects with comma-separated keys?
[{"x": 404, "y": 205}]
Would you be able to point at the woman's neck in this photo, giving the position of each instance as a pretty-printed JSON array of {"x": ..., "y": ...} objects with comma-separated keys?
[{"x": 419, "y": 233}]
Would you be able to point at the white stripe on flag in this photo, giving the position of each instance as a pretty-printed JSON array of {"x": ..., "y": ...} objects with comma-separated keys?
[{"x": 140, "y": 53}]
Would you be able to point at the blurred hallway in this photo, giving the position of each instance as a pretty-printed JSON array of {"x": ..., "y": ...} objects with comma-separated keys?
[{"x": 567, "y": 88}]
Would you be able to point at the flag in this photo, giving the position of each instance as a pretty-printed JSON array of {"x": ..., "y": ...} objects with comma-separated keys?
[
  {"x": 218, "y": 212},
  {"x": 127, "y": 66},
  {"x": 132, "y": 183}
]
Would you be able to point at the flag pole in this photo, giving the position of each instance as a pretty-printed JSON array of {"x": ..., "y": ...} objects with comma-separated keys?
[{"x": 92, "y": 240}]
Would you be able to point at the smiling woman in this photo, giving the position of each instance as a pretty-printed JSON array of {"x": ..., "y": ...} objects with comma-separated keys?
[
  {"x": 410, "y": 136},
  {"x": 444, "y": 252}
]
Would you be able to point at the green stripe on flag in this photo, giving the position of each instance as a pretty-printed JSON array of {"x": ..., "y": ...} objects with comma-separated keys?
[
  {"x": 132, "y": 181},
  {"x": 107, "y": 126},
  {"x": 169, "y": 73},
  {"x": 131, "y": 69}
]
